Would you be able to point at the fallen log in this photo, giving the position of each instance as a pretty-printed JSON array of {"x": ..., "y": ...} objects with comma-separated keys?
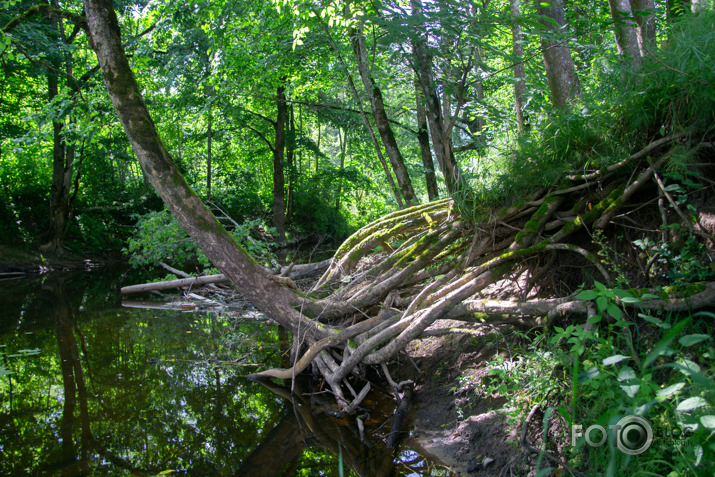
[
  {"x": 297, "y": 272},
  {"x": 179, "y": 283}
]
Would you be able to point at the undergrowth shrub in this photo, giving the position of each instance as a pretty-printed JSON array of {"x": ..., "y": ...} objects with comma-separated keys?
[
  {"x": 160, "y": 238},
  {"x": 621, "y": 363}
]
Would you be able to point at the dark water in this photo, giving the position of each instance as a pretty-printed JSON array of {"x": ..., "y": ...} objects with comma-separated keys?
[{"x": 90, "y": 388}]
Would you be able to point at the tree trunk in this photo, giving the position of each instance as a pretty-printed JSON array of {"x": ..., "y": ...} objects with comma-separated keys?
[
  {"x": 519, "y": 73},
  {"x": 625, "y": 29},
  {"x": 209, "y": 139},
  {"x": 62, "y": 165},
  {"x": 343, "y": 141},
  {"x": 560, "y": 71},
  {"x": 388, "y": 175},
  {"x": 644, "y": 11},
  {"x": 441, "y": 137},
  {"x": 290, "y": 162},
  {"x": 278, "y": 174},
  {"x": 218, "y": 245},
  {"x": 381, "y": 120},
  {"x": 423, "y": 139}
]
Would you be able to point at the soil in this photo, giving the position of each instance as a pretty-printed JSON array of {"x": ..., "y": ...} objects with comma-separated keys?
[{"x": 451, "y": 420}]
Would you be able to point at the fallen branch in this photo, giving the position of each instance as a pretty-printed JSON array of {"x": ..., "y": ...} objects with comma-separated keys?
[
  {"x": 179, "y": 283},
  {"x": 298, "y": 271}
]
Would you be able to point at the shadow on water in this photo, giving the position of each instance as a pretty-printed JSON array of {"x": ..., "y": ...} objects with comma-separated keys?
[{"x": 88, "y": 387}]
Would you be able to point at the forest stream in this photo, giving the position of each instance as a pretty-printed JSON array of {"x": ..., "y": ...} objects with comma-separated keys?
[{"x": 91, "y": 387}]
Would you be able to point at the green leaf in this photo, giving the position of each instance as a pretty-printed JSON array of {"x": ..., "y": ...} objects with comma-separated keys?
[
  {"x": 616, "y": 358},
  {"x": 601, "y": 287},
  {"x": 664, "y": 343},
  {"x": 688, "y": 367},
  {"x": 587, "y": 295},
  {"x": 588, "y": 375},
  {"x": 594, "y": 319},
  {"x": 622, "y": 293},
  {"x": 602, "y": 303},
  {"x": 674, "y": 188},
  {"x": 652, "y": 319},
  {"x": 614, "y": 311},
  {"x": 626, "y": 374},
  {"x": 630, "y": 299},
  {"x": 630, "y": 389},
  {"x": 670, "y": 390},
  {"x": 689, "y": 340},
  {"x": 708, "y": 421},
  {"x": 691, "y": 404},
  {"x": 649, "y": 296}
]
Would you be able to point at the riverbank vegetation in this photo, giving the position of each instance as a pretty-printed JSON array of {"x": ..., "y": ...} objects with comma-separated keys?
[{"x": 571, "y": 212}]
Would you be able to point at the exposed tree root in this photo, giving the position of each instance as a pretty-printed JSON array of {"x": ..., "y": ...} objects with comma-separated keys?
[{"x": 427, "y": 263}]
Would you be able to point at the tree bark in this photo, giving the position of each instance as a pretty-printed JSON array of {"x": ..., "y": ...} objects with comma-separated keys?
[
  {"x": 218, "y": 245},
  {"x": 625, "y": 29},
  {"x": 209, "y": 140},
  {"x": 560, "y": 71},
  {"x": 278, "y": 157},
  {"x": 423, "y": 139},
  {"x": 644, "y": 11},
  {"x": 343, "y": 142},
  {"x": 290, "y": 162},
  {"x": 517, "y": 38},
  {"x": 382, "y": 122}
]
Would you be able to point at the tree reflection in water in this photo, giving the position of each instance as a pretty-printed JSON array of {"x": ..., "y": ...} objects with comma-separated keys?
[{"x": 96, "y": 388}]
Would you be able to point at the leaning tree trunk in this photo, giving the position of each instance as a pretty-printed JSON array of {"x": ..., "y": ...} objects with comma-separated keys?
[
  {"x": 158, "y": 166},
  {"x": 381, "y": 120}
]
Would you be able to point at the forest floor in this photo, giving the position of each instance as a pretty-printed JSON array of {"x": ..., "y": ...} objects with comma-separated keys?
[{"x": 449, "y": 420}]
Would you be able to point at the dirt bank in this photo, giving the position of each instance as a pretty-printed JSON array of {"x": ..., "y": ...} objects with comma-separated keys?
[{"x": 455, "y": 423}]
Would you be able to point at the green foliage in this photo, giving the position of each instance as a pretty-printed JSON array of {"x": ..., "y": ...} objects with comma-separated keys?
[
  {"x": 620, "y": 111},
  {"x": 160, "y": 238},
  {"x": 674, "y": 93},
  {"x": 657, "y": 368}
]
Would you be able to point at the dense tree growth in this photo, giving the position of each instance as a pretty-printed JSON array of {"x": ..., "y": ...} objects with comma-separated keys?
[{"x": 558, "y": 130}]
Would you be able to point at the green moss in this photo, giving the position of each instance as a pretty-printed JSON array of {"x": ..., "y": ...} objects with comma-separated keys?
[
  {"x": 531, "y": 227},
  {"x": 356, "y": 255},
  {"x": 571, "y": 226},
  {"x": 481, "y": 317},
  {"x": 614, "y": 199},
  {"x": 681, "y": 290}
]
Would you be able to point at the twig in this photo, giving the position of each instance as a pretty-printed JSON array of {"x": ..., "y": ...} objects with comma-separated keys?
[{"x": 697, "y": 230}]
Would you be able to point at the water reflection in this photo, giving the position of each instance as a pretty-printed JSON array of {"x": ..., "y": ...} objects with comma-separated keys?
[{"x": 88, "y": 387}]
